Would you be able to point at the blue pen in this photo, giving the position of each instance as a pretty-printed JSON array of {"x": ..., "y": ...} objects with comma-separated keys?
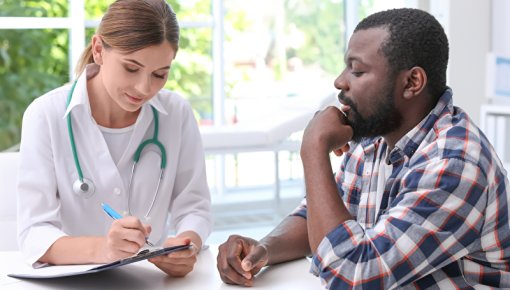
[
  {"x": 111, "y": 212},
  {"x": 115, "y": 215}
]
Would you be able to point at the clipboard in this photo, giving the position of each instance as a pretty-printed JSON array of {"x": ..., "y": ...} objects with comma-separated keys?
[{"x": 75, "y": 270}]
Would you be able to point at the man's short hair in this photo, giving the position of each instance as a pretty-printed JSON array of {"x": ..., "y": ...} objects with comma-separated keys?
[{"x": 415, "y": 38}]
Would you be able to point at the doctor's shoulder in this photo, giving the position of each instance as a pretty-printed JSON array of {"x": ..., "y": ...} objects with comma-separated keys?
[
  {"x": 52, "y": 102},
  {"x": 44, "y": 115}
]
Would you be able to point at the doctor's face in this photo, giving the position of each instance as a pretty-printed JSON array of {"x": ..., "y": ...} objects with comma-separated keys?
[{"x": 132, "y": 79}]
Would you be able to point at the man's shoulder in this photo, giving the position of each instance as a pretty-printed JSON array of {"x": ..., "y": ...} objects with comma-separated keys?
[
  {"x": 456, "y": 136},
  {"x": 456, "y": 133}
]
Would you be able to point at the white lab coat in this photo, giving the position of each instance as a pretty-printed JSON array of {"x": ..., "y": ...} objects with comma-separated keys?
[{"x": 49, "y": 209}]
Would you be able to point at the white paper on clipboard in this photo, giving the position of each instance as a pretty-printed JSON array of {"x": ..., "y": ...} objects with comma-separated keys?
[{"x": 74, "y": 270}]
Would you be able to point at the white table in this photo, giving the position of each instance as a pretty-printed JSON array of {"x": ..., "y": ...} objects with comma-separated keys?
[{"x": 143, "y": 275}]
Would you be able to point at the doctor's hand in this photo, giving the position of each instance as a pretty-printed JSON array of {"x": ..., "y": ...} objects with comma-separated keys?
[
  {"x": 240, "y": 258},
  {"x": 328, "y": 131},
  {"x": 125, "y": 238},
  {"x": 180, "y": 263}
]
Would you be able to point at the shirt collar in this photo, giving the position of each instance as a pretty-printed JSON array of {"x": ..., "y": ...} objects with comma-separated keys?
[
  {"x": 157, "y": 104},
  {"x": 409, "y": 143},
  {"x": 80, "y": 97}
]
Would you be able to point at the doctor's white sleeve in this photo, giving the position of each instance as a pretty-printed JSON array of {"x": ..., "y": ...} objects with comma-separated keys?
[
  {"x": 191, "y": 207},
  {"x": 38, "y": 218}
]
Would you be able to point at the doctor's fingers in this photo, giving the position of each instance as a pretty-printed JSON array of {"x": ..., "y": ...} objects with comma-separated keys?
[
  {"x": 126, "y": 238},
  {"x": 176, "y": 261},
  {"x": 115, "y": 255},
  {"x": 184, "y": 254},
  {"x": 116, "y": 251},
  {"x": 132, "y": 222},
  {"x": 173, "y": 269}
]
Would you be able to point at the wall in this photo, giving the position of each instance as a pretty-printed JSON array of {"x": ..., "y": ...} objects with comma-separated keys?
[
  {"x": 501, "y": 27},
  {"x": 501, "y": 46},
  {"x": 469, "y": 31}
]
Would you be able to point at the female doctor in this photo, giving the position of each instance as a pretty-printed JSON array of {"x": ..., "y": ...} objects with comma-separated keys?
[{"x": 80, "y": 143}]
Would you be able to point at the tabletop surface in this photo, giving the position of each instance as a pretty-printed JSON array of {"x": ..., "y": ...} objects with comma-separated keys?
[{"x": 143, "y": 275}]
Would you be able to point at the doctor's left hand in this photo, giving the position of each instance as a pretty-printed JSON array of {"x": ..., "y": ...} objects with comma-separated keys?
[{"x": 180, "y": 263}]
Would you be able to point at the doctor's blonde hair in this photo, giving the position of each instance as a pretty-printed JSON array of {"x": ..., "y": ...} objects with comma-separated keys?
[{"x": 131, "y": 25}]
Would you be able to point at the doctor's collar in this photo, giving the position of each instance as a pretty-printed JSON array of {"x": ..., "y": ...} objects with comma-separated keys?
[
  {"x": 80, "y": 94},
  {"x": 156, "y": 103}
]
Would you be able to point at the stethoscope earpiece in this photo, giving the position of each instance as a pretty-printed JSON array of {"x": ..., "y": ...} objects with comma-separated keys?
[{"x": 84, "y": 188}]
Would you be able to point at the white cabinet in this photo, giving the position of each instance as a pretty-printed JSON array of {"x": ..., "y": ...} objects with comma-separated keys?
[{"x": 495, "y": 123}]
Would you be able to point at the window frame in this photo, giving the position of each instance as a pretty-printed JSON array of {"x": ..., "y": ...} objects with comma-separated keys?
[{"x": 77, "y": 25}]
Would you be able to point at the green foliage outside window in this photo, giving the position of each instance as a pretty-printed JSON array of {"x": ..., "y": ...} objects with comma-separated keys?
[
  {"x": 321, "y": 23},
  {"x": 31, "y": 62},
  {"x": 35, "y": 61}
]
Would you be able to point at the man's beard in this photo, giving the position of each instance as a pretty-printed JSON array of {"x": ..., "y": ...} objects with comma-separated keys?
[{"x": 383, "y": 120}]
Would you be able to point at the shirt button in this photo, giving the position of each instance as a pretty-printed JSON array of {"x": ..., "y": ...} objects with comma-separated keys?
[{"x": 116, "y": 191}]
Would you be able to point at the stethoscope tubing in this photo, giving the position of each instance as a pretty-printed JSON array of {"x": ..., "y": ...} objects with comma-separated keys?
[
  {"x": 90, "y": 188},
  {"x": 71, "y": 136}
]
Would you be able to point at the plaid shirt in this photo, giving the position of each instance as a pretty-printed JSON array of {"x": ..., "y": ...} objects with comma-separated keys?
[{"x": 443, "y": 220}]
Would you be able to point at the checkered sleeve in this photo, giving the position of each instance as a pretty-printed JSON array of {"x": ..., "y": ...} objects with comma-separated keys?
[
  {"x": 434, "y": 220},
  {"x": 300, "y": 210}
]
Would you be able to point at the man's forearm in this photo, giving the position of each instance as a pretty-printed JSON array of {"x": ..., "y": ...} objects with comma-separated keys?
[
  {"x": 288, "y": 241},
  {"x": 325, "y": 208}
]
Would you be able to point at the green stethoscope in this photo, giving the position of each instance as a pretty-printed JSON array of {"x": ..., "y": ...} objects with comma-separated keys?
[{"x": 85, "y": 187}]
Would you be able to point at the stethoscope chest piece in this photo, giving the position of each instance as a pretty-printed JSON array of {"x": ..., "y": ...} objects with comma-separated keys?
[{"x": 84, "y": 189}]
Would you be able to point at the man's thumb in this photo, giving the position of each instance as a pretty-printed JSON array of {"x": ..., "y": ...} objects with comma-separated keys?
[
  {"x": 246, "y": 264},
  {"x": 256, "y": 258}
]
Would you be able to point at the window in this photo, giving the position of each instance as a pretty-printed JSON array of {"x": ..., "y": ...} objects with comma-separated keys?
[
  {"x": 279, "y": 49},
  {"x": 33, "y": 58},
  {"x": 237, "y": 58}
]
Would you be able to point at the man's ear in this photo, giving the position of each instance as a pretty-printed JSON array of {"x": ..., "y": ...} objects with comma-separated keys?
[
  {"x": 414, "y": 82},
  {"x": 97, "y": 49}
]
